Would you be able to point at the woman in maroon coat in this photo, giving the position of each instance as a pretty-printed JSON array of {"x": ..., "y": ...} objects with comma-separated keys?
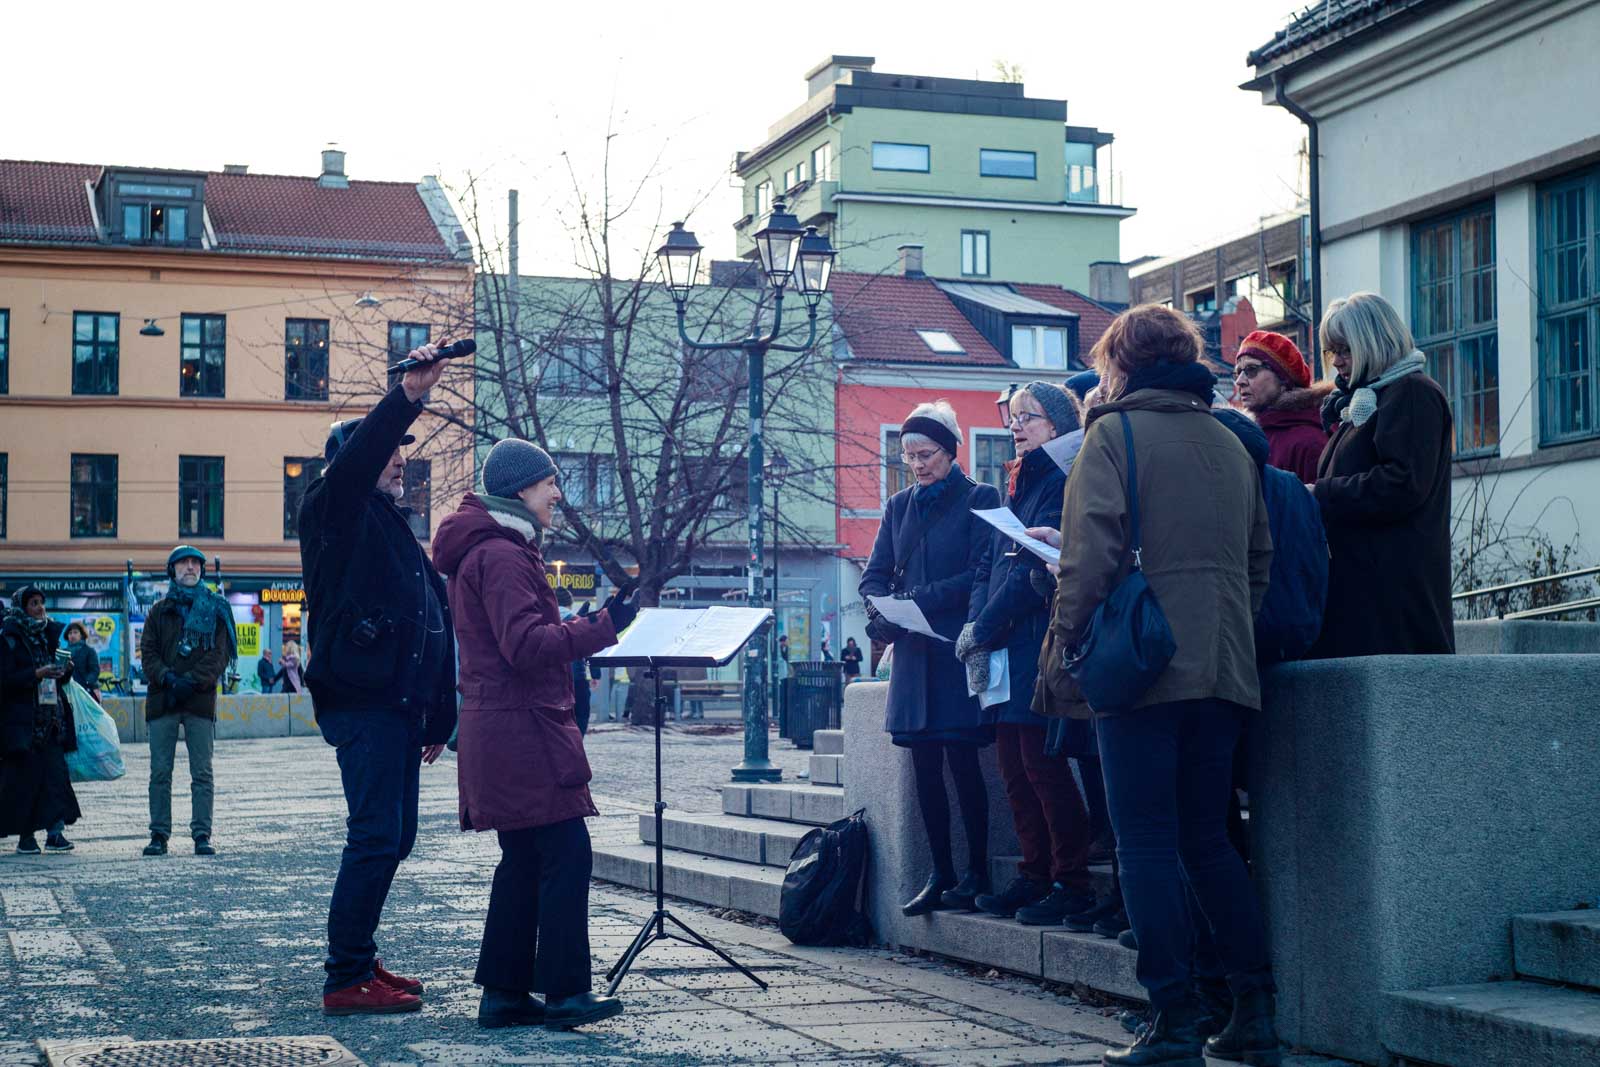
[{"x": 523, "y": 772}]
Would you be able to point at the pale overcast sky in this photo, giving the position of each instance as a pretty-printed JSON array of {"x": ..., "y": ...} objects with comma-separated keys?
[{"x": 500, "y": 91}]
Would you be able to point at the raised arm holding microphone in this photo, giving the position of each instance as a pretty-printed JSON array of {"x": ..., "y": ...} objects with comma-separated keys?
[{"x": 381, "y": 673}]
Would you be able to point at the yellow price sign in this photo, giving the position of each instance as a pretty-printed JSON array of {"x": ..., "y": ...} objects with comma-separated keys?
[
  {"x": 105, "y": 625},
  {"x": 249, "y": 634}
]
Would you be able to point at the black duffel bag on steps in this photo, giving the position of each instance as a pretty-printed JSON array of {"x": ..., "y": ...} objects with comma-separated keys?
[{"x": 823, "y": 887}]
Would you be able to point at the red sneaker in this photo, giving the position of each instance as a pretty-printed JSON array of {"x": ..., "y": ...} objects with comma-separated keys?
[
  {"x": 375, "y": 997},
  {"x": 405, "y": 985}
]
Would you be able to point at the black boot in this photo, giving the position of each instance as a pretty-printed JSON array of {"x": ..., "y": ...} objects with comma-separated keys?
[
  {"x": 1215, "y": 1001},
  {"x": 564, "y": 1013},
  {"x": 1019, "y": 894},
  {"x": 157, "y": 845},
  {"x": 930, "y": 899},
  {"x": 506, "y": 1007},
  {"x": 1251, "y": 1036},
  {"x": 1170, "y": 1041},
  {"x": 964, "y": 896}
]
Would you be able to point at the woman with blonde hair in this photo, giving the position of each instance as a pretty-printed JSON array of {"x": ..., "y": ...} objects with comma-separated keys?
[
  {"x": 1383, "y": 483},
  {"x": 289, "y": 673},
  {"x": 928, "y": 549}
]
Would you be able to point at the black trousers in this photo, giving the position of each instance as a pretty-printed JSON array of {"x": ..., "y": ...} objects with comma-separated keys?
[{"x": 536, "y": 939}]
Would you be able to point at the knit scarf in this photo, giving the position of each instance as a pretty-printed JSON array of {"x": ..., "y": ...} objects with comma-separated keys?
[
  {"x": 203, "y": 611},
  {"x": 1357, "y": 405},
  {"x": 513, "y": 514},
  {"x": 1179, "y": 377},
  {"x": 29, "y": 633},
  {"x": 926, "y": 496}
]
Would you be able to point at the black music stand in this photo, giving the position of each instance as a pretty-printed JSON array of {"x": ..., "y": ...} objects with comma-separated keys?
[{"x": 683, "y": 651}]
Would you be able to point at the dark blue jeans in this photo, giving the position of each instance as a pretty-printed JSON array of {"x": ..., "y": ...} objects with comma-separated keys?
[
  {"x": 380, "y": 757},
  {"x": 1168, "y": 772}
]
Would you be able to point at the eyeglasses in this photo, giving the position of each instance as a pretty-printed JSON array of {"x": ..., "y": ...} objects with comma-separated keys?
[
  {"x": 1335, "y": 350},
  {"x": 925, "y": 456},
  {"x": 1249, "y": 370},
  {"x": 1022, "y": 418}
]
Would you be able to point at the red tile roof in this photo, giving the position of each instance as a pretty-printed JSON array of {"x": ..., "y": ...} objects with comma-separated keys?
[
  {"x": 880, "y": 314},
  {"x": 255, "y": 213}
]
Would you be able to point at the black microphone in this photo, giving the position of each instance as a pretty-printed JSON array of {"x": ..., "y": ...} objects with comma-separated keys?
[{"x": 450, "y": 351}]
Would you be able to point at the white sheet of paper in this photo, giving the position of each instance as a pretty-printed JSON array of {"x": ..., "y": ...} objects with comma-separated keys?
[
  {"x": 715, "y": 634},
  {"x": 999, "y": 690},
  {"x": 906, "y": 615},
  {"x": 1006, "y": 521},
  {"x": 1061, "y": 449}
]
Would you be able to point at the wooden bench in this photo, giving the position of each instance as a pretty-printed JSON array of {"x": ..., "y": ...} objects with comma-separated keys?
[{"x": 700, "y": 692}]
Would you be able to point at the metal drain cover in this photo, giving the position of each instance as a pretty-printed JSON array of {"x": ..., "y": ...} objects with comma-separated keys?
[{"x": 216, "y": 1052}]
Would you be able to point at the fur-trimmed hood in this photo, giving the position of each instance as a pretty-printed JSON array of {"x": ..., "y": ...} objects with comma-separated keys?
[{"x": 1297, "y": 399}]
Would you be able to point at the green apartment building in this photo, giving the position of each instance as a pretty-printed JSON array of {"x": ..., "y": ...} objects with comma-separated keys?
[{"x": 975, "y": 177}]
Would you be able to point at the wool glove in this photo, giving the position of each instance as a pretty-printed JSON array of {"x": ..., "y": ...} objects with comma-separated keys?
[
  {"x": 880, "y": 629},
  {"x": 182, "y": 690},
  {"x": 623, "y": 610},
  {"x": 976, "y": 659}
]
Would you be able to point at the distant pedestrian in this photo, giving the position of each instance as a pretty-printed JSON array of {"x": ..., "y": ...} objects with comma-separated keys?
[
  {"x": 1384, "y": 486},
  {"x": 827, "y": 656},
  {"x": 585, "y": 679},
  {"x": 521, "y": 761},
  {"x": 85, "y": 660},
  {"x": 850, "y": 656},
  {"x": 188, "y": 641},
  {"x": 289, "y": 674},
  {"x": 36, "y": 727},
  {"x": 1274, "y": 385},
  {"x": 266, "y": 672}
]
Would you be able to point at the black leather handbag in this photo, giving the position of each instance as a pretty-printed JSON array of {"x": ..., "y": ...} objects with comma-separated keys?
[{"x": 1127, "y": 642}]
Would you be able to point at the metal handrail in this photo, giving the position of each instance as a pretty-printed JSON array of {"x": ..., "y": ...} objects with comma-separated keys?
[
  {"x": 1554, "y": 609},
  {"x": 1525, "y": 583}
]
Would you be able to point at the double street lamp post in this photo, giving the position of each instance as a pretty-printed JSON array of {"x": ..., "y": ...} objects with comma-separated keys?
[{"x": 795, "y": 258}]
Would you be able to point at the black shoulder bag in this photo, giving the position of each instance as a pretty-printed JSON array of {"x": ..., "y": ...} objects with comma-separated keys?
[{"x": 1127, "y": 643}]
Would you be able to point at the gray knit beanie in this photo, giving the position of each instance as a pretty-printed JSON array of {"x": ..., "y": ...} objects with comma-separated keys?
[
  {"x": 1057, "y": 406},
  {"x": 513, "y": 465}
]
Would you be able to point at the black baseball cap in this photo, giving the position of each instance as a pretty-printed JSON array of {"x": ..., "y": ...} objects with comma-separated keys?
[{"x": 340, "y": 432}]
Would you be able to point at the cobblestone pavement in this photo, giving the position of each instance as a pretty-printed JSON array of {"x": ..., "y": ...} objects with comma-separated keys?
[{"x": 103, "y": 942}]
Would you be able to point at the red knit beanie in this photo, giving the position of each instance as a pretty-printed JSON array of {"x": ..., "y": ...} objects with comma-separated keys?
[{"x": 1278, "y": 352}]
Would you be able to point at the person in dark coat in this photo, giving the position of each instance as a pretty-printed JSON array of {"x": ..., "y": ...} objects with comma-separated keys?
[
  {"x": 850, "y": 656},
  {"x": 85, "y": 660},
  {"x": 1384, "y": 487},
  {"x": 381, "y": 673},
  {"x": 1008, "y": 611},
  {"x": 928, "y": 549},
  {"x": 36, "y": 727},
  {"x": 1274, "y": 385},
  {"x": 585, "y": 678},
  {"x": 266, "y": 673},
  {"x": 188, "y": 641},
  {"x": 522, "y": 768}
]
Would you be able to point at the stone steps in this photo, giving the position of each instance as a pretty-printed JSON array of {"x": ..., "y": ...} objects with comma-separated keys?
[
  {"x": 1559, "y": 946},
  {"x": 827, "y": 742},
  {"x": 741, "y": 838},
  {"x": 1050, "y": 952},
  {"x": 709, "y": 880},
  {"x": 1523, "y": 1023},
  {"x": 815, "y": 805},
  {"x": 827, "y": 770}
]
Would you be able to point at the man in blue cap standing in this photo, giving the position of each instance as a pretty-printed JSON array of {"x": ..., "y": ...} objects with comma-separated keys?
[{"x": 381, "y": 673}]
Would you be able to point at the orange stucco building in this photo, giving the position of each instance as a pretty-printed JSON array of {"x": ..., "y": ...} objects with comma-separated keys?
[{"x": 173, "y": 348}]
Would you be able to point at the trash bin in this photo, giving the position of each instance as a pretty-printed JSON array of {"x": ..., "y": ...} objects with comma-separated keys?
[{"x": 813, "y": 697}]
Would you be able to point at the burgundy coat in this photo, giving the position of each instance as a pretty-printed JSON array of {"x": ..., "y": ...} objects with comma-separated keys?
[
  {"x": 1293, "y": 425},
  {"x": 519, "y": 755}
]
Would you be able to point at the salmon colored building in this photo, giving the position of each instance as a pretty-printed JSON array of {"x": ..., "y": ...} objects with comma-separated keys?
[{"x": 173, "y": 348}]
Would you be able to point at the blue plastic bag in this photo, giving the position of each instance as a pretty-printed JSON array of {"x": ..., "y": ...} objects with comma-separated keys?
[{"x": 99, "y": 754}]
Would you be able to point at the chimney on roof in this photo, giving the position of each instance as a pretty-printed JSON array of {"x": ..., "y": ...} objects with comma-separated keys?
[
  {"x": 333, "y": 169},
  {"x": 834, "y": 69},
  {"x": 1108, "y": 282},
  {"x": 911, "y": 261},
  {"x": 236, "y": 168}
]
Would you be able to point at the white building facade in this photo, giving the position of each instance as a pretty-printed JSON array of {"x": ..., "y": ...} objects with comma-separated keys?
[{"x": 1459, "y": 172}]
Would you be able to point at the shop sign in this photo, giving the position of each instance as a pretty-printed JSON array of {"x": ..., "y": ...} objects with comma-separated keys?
[
  {"x": 578, "y": 583},
  {"x": 249, "y": 639},
  {"x": 284, "y": 593},
  {"x": 86, "y": 584}
]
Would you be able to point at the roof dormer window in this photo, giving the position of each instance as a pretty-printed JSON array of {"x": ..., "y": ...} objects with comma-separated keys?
[{"x": 160, "y": 208}]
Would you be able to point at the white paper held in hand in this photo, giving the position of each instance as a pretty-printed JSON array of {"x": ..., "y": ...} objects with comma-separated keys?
[
  {"x": 1004, "y": 520},
  {"x": 906, "y": 615}
]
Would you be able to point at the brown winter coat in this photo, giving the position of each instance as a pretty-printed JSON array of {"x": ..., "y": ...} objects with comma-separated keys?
[
  {"x": 520, "y": 755},
  {"x": 1207, "y": 545},
  {"x": 158, "y": 654}
]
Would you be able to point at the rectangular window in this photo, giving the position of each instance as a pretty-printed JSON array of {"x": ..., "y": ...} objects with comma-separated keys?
[
  {"x": 1081, "y": 179},
  {"x": 1453, "y": 318},
  {"x": 94, "y": 495},
  {"x": 574, "y": 468},
  {"x": 305, "y": 359},
  {"x": 887, "y": 155},
  {"x": 203, "y": 364},
  {"x": 975, "y": 252},
  {"x": 200, "y": 496},
  {"x": 763, "y": 198},
  {"x": 5, "y": 484},
  {"x": 990, "y": 453},
  {"x": 1039, "y": 346},
  {"x": 896, "y": 475},
  {"x": 155, "y": 223},
  {"x": 298, "y": 474},
  {"x": 5, "y": 351},
  {"x": 418, "y": 499},
  {"x": 1569, "y": 308},
  {"x": 822, "y": 162},
  {"x": 403, "y": 337},
  {"x": 573, "y": 366},
  {"x": 94, "y": 353},
  {"x": 1002, "y": 163}
]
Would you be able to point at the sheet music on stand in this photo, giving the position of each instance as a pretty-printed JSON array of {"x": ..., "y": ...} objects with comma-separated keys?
[{"x": 684, "y": 637}]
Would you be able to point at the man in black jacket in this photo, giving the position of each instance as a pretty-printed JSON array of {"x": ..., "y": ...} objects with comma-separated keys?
[{"x": 381, "y": 672}]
